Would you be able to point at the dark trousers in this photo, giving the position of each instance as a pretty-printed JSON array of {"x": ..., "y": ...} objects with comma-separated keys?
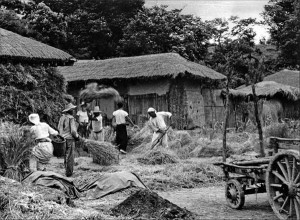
[
  {"x": 69, "y": 157},
  {"x": 121, "y": 137}
]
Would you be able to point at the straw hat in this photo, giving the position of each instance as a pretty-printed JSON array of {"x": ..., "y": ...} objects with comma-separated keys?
[
  {"x": 34, "y": 118},
  {"x": 151, "y": 110},
  {"x": 96, "y": 109},
  {"x": 69, "y": 107}
]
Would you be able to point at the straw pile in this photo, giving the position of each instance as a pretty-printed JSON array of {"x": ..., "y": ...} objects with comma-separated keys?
[
  {"x": 103, "y": 153},
  {"x": 145, "y": 204},
  {"x": 94, "y": 91},
  {"x": 15, "y": 150},
  {"x": 139, "y": 138},
  {"x": 159, "y": 156},
  {"x": 18, "y": 201}
]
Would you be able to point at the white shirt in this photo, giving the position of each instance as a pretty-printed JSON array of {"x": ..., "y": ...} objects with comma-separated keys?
[
  {"x": 158, "y": 122},
  {"x": 83, "y": 116},
  {"x": 97, "y": 125},
  {"x": 42, "y": 130},
  {"x": 120, "y": 116}
]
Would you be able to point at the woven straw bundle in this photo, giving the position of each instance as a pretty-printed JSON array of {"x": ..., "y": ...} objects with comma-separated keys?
[{"x": 103, "y": 153}]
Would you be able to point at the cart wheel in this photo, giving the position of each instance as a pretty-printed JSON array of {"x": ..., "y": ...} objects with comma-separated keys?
[
  {"x": 234, "y": 194},
  {"x": 283, "y": 185}
]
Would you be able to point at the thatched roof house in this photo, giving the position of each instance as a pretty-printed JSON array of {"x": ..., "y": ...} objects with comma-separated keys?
[
  {"x": 148, "y": 66},
  {"x": 28, "y": 74},
  {"x": 286, "y": 77},
  {"x": 166, "y": 82},
  {"x": 268, "y": 90},
  {"x": 16, "y": 48},
  {"x": 277, "y": 101}
]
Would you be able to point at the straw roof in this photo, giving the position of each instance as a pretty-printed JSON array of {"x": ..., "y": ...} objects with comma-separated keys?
[
  {"x": 147, "y": 66},
  {"x": 286, "y": 77},
  {"x": 18, "y": 48},
  {"x": 267, "y": 89}
]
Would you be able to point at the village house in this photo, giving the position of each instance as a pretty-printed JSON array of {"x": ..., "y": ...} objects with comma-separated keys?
[
  {"x": 276, "y": 102},
  {"x": 25, "y": 66},
  {"x": 167, "y": 82}
]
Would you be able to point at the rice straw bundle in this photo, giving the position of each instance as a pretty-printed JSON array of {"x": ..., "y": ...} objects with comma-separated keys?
[
  {"x": 104, "y": 153},
  {"x": 94, "y": 91},
  {"x": 159, "y": 156},
  {"x": 15, "y": 150}
]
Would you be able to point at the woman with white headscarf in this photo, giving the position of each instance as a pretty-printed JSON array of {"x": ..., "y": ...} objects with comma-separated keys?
[
  {"x": 43, "y": 150},
  {"x": 158, "y": 126}
]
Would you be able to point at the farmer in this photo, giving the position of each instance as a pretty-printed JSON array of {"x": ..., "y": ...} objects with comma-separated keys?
[
  {"x": 82, "y": 117},
  {"x": 67, "y": 129},
  {"x": 43, "y": 149},
  {"x": 119, "y": 120},
  {"x": 158, "y": 126},
  {"x": 97, "y": 126}
]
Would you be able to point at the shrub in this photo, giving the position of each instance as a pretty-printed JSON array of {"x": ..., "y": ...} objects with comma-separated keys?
[{"x": 277, "y": 130}]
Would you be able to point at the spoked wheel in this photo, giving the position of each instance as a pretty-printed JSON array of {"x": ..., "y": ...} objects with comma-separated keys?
[
  {"x": 234, "y": 194},
  {"x": 283, "y": 185}
]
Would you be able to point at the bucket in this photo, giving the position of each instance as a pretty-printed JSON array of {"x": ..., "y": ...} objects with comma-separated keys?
[{"x": 58, "y": 143}]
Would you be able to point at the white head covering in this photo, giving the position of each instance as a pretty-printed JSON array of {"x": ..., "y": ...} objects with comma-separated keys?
[
  {"x": 97, "y": 109},
  {"x": 68, "y": 107},
  {"x": 34, "y": 118},
  {"x": 151, "y": 110}
]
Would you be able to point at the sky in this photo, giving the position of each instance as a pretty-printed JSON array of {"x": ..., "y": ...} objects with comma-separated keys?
[{"x": 210, "y": 9}]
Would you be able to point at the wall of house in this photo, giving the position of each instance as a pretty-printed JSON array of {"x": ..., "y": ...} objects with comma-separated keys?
[
  {"x": 204, "y": 105},
  {"x": 145, "y": 94}
]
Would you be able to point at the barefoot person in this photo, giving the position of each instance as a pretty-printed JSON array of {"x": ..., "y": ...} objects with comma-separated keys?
[
  {"x": 158, "y": 126},
  {"x": 119, "y": 118},
  {"x": 67, "y": 129},
  {"x": 43, "y": 150},
  {"x": 97, "y": 126}
]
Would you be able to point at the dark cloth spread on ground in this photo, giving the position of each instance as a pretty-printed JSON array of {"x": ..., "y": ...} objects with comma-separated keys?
[{"x": 104, "y": 185}]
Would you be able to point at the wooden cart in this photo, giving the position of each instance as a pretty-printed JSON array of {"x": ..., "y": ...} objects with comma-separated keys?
[{"x": 278, "y": 175}]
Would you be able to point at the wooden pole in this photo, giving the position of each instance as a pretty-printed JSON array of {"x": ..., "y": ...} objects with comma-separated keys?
[
  {"x": 226, "y": 121},
  {"x": 258, "y": 122}
]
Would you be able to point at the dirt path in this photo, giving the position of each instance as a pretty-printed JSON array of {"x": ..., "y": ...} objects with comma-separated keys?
[{"x": 209, "y": 203}]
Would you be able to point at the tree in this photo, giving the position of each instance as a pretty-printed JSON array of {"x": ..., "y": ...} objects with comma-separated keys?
[
  {"x": 156, "y": 30},
  {"x": 283, "y": 17}
]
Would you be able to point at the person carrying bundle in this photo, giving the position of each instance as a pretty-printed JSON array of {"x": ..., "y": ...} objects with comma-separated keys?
[
  {"x": 97, "y": 126},
  {"x": 43, "y": 150},
  {"x": 159, "y": 128},
  {"x": 119, "y": 120},
  {"x": 67, "y": 129}
]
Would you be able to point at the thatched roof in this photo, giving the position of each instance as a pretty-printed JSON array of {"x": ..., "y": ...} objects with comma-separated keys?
[
  {"x": 14, "y": 47},
  {"x": 147, "y": 66},
  {"x": 267, "y": 89},
  {"x": 286, "y": 77}
]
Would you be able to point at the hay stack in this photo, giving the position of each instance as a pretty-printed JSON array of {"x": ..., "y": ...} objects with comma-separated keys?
[
  {"x": 94, "y": 91},
  {"x": 139, "y": 139},
  {"x": 15, "y": 150},
  {"x": 104, "y": 153},
  {"x": 160, "y": 156}
]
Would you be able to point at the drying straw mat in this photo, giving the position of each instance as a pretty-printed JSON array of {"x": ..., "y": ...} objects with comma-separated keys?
[
  {"x": 94, "y": 91},
  {"x": 103, "y": 153},
  {"x": 159, "y": 156}
]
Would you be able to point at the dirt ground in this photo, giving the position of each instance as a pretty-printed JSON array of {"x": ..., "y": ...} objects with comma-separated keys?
[
  {"x": 206, "y": 199},
  {"x": 209, "y": 203}
]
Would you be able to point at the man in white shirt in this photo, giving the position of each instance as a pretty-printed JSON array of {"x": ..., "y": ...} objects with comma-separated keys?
[
  {"x": 119, "y": 119},
  {"x": 97, "y": 125},
  {"x": 158, "y": 126},
  {"x": 83, "y": 121}
]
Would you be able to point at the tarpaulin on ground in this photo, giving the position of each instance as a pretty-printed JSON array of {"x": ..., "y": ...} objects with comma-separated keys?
[
  {"x": 106, "y": 184},
  {"x": 53, "y": 180},
  {"x": 110, "y": 183}
]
